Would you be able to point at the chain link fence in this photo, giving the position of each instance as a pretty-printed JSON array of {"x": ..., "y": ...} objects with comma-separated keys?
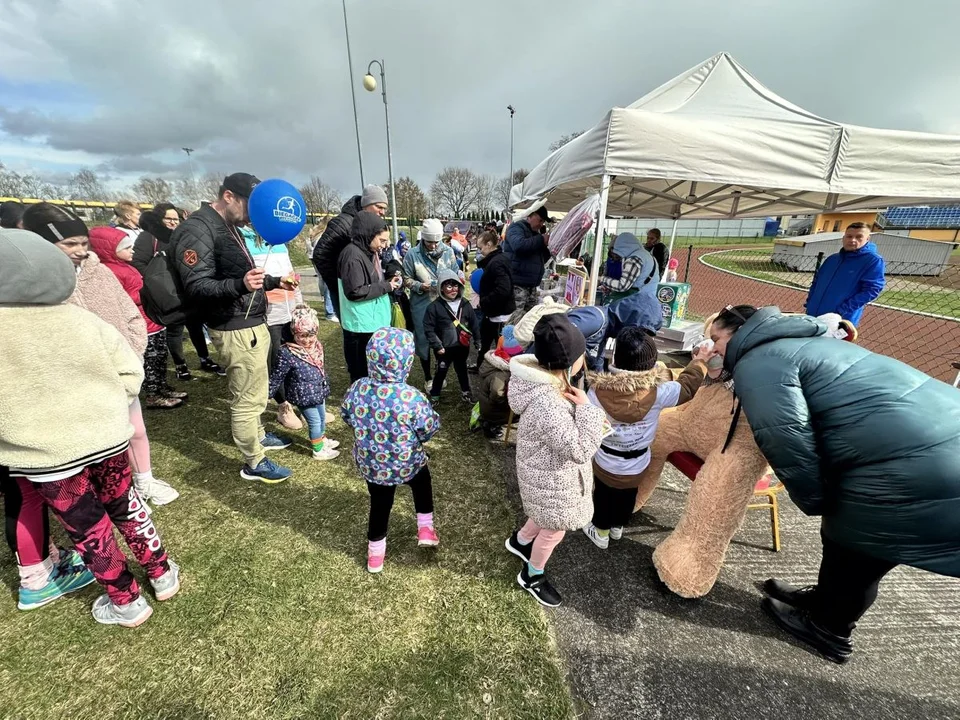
[{"x": 916, "y": 318}]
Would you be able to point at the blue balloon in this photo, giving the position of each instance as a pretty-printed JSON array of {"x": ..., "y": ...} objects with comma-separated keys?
[
  {"x": 475, "y": 279},
  {"x": 277, "y": 211}
]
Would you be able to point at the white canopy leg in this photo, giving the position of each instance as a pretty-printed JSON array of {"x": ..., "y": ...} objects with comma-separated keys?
[{"x": 601, "y": 224}]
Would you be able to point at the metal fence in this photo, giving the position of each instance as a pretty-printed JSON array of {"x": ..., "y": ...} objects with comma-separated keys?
[{"x": 916, "y": 319}]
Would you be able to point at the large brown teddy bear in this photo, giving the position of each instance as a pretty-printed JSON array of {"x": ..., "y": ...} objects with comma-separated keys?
[{"x": 689, "y": 561}]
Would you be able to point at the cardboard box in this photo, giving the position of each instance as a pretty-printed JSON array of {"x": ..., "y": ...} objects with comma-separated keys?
[
  {"x": 681, "y": 337},
  {"x": 673, "y": 301}
]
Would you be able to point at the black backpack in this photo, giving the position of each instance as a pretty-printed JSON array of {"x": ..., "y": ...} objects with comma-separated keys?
[{"x": 162, "y": 295}]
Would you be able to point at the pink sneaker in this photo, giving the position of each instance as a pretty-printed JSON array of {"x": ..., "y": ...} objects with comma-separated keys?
[
  {"x": 374, "y": 563},
  {"x": 427, "y": 537}
]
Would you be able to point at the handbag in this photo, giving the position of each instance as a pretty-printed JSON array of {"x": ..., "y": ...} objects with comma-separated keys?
[
  {"x": 464, "y": 336},
  {"x": 396, "y": 316}
]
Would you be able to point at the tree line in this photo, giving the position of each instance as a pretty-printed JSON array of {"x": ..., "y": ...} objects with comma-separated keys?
[{"x": 456, "y": 192}]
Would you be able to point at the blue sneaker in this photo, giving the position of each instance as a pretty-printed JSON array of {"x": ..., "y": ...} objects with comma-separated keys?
[
  {"x": 267, "y": 471},
  {"x": 274, "y": 442},
  {"x": 64, "y": 580}
]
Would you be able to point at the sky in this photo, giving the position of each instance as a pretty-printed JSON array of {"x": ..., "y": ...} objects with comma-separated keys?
[{"x": 263, "y": 87}]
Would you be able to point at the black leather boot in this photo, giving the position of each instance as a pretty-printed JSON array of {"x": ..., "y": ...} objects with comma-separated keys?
[
  {"x": 798, "y": 623},
  {"x": 799, "y": 597}
]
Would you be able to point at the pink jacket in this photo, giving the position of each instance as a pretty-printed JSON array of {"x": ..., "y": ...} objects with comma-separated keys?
[{"x": 103, "y": 241}]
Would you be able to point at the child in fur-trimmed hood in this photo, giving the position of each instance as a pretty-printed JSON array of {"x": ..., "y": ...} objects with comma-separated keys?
[{"x": 632, "y": 395}]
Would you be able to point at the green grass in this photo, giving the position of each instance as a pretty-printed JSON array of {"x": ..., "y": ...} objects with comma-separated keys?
[
  {"x": 277, "y": 616},
  {"x": 901, "y": 292}
]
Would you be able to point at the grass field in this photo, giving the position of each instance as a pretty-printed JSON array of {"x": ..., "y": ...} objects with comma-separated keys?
[
  {"x": 277, "y": 616},
  {"x": 901, "y": 292}
]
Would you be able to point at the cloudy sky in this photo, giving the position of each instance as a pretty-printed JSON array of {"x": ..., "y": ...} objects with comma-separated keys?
[{"x": 263, "y": 87}]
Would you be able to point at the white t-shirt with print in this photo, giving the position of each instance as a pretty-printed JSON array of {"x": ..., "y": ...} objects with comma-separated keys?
[{"x": 633, "y": 437}]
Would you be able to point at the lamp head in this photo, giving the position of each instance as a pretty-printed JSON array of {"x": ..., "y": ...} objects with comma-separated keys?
[{"x": 369, "y": 82}]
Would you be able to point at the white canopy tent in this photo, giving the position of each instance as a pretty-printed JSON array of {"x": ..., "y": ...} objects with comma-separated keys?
[{"x": 715, "y": 143}]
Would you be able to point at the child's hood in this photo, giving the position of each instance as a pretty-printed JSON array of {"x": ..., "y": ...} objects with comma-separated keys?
[
  {"x": 628, "y": 396},
  {"x": 448, "y": 276},
  {"x": 529, "y": 381},
  {"x": 390, "y": 353},
  {"x": 104, "y": 241},
  {"x": 33, "y": 271}
]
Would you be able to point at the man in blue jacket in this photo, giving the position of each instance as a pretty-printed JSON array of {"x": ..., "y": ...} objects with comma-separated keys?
[
  {"x": 850, "y": 279},
  {"x": 526, "y": 247}
]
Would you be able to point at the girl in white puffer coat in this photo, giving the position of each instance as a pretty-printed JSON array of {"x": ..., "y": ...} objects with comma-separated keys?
[{"x": 557, "y": 435}]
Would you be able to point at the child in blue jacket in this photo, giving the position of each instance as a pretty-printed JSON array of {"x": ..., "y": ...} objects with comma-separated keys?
[
  {"x": 391, "y": 421},
  {"x": 301, "y": 372}
]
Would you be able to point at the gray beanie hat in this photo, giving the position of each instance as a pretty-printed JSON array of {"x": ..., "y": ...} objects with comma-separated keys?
[
  {"x": 373, "y": 194},
  {"x": 33, "y": 271}
]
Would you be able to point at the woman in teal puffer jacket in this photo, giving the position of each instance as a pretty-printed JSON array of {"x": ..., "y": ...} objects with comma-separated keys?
[{"x": 870, "y": 444}]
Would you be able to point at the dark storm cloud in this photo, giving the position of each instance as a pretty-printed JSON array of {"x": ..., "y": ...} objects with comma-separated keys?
[{"x": 264, "y": 87}]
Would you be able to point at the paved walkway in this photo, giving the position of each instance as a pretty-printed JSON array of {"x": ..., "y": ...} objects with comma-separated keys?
[
  {"x": 633, "y": 650},
  {"x": 927, "y": 343}
]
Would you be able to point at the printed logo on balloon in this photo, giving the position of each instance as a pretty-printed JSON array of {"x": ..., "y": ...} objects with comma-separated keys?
[{"x": 277, "y": 211}]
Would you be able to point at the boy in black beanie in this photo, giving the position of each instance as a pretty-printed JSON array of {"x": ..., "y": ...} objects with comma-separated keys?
[{"x": 632, "y": 394}]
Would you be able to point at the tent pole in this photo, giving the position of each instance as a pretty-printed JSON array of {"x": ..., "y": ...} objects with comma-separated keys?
[
  {"x": 673, "y": 236},
  {"x": 598, "y": 244}
]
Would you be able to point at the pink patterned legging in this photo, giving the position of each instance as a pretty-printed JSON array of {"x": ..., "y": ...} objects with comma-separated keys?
[
  {"x": 90, "y": 505},
  {"x": 544, "y": 541}
]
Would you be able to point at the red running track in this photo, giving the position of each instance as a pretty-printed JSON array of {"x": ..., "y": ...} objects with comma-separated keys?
[{"x": 927, "y": 343}]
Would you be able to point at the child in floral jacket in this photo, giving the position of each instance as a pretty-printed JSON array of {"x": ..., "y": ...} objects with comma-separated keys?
[
  {"x": 299, "y": 370},
  {"x": 391, "y": 421}
]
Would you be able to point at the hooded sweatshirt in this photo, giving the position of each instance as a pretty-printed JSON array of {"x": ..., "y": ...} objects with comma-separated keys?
[
  {"x": 390, "y": 419},
  {"x": 637, "y": 306},
  {"x": 846, "y": 282},
  {"x": 636, "y": 271},
  {"x": 364, "y": 293},
  {"x": 103, "y": 241},
  {"x": 555, "y": 443},
  {"x": 99, "y": 291},
  {"x": 68, "y": 377},
  {"x": 439, "y": 324},
  {"x": 633, "y": 402}
]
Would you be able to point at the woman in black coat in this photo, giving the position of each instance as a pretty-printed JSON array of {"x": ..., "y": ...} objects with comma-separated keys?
[
  {"x": 864, "y": 441},
  {"x": 496, "y": 290}
]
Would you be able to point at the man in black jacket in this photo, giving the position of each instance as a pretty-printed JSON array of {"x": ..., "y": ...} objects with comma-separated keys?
[
  {"x": 496, "y": 290},
  {"x": 526, "y": 247},
  {"x": 656, "y": 248},
  {"x": 224, "y": 285},
  {"x": 326, "y": 253}
]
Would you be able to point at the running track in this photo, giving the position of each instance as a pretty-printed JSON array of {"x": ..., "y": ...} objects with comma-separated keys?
[{"x": 927, "y": 343}]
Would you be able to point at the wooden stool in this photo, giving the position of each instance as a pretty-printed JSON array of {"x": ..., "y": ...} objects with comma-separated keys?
[{"x": 690, "y": 464}]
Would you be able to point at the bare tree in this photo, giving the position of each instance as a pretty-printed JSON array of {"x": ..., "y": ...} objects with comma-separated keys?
[
  {"x": 411, "y": 200},
  {"x": 14, "y": 184},
  {"x": 501, "y": 192},
  {"x": 564, "y": 139},
  {"x": 191, "y": 191},
  {"x": 456, "y": 191},
  {"x": 86, "y": 185},
  {"x": 153, "y": 190},
  {"x": 320, "y": 197}
]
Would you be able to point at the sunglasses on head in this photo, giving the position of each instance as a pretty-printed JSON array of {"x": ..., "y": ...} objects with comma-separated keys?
[{"x": 733, "y": 311}]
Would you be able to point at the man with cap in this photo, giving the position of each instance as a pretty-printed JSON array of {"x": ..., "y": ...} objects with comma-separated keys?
[
  {"x": 526, "y": 246},
  {"x": 326, "y": 253},
  {"x": 222, "y": 282}
]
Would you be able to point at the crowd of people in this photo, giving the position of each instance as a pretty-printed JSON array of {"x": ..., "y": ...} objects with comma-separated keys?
[{"x": 847, "y": 431}]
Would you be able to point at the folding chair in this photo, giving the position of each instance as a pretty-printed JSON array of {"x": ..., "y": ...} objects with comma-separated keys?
[{"x": 690, "y": 464}]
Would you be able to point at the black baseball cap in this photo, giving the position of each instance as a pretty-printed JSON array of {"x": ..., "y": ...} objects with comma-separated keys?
[
  {"x": 542, "y": 212},
  {"x": 241, "y": 184}
]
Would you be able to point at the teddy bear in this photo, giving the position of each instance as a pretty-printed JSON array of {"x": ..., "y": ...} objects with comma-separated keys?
[{"x": 689, "y": 560}]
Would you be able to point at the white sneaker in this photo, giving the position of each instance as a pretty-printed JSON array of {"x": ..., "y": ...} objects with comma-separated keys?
[
  {"x": 156, "y": 491},
  {"x": 168, "y": 584},
  {"x": 591, "y": 532},
  {"x": 129, "y": 616},
  {"x": 329, "y": 444},
  {"x": 326, "y": 454},
  {"x": 616, "y": 533}
]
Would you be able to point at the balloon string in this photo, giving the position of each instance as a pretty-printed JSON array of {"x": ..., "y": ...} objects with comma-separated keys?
[{"x": 254, "y": 295}]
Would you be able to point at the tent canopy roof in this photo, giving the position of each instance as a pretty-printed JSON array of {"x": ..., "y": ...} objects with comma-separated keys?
[{"x": 714, "y": 142}]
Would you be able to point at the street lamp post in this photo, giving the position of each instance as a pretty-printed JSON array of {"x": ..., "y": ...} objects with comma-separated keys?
[
  {"x": 353, "y": 93},
  {"x": 510, "y": 182},
  {"x": 370, "y": 84}
]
